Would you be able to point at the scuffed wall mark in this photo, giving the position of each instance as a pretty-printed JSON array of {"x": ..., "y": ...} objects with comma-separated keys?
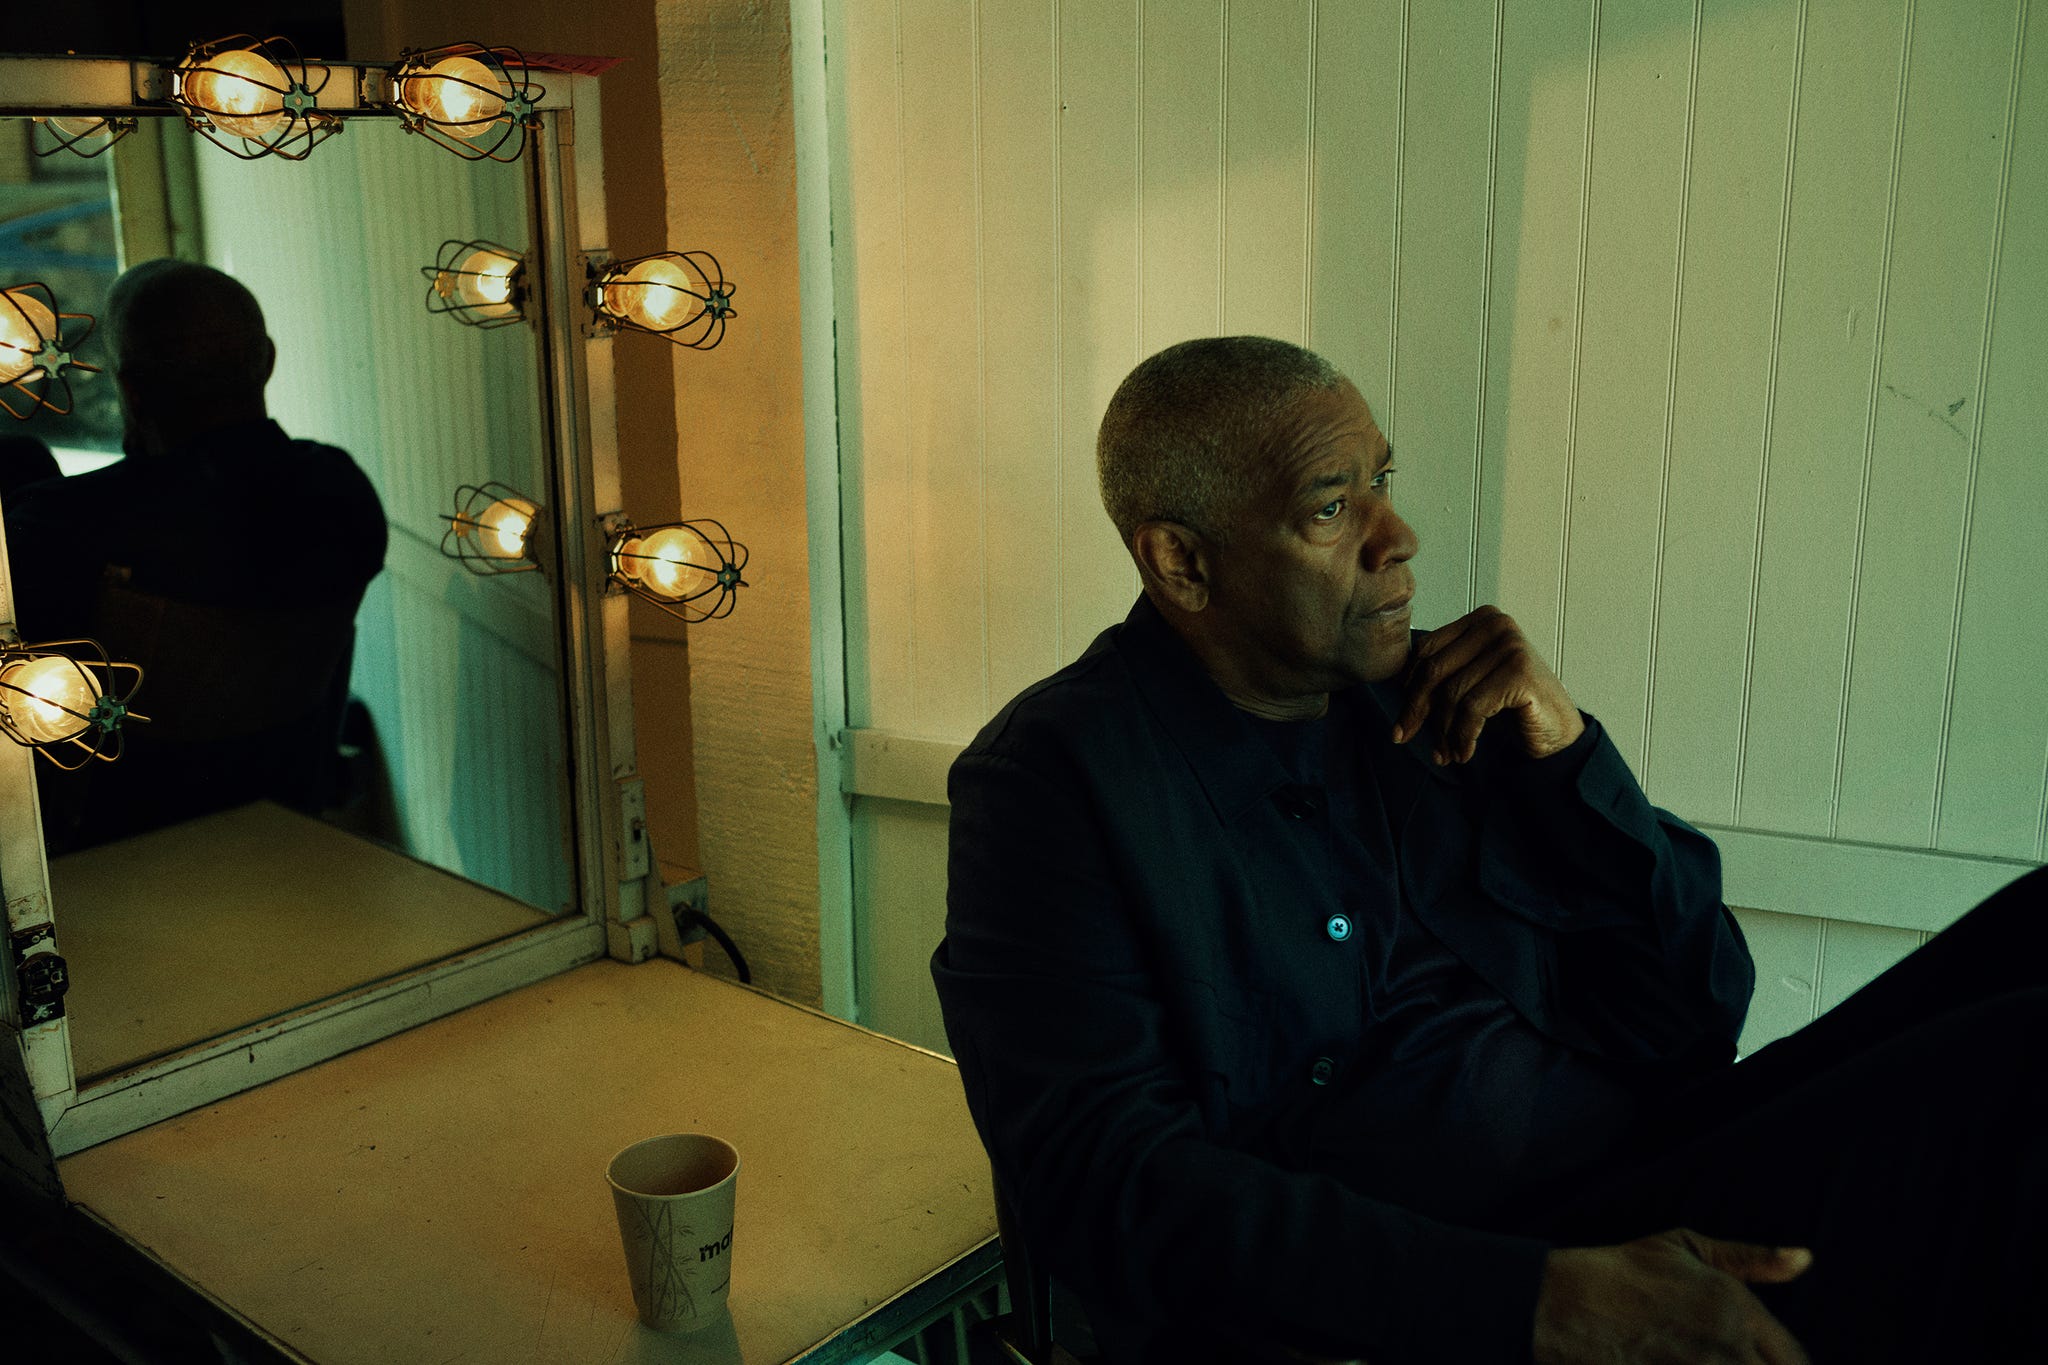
[{"x": 1934, "y": 412}]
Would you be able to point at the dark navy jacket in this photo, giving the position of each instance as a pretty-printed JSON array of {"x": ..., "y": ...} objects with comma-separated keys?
[{"x": 1136, "y": 976}]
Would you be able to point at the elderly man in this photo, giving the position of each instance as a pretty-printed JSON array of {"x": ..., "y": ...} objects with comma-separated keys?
[
  {"x": 224, "y": 556},
  {"x": 1325, "y": 989}
]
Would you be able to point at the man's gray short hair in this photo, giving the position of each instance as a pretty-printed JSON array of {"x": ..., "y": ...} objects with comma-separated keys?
[{"x": 1177, "y": 439}]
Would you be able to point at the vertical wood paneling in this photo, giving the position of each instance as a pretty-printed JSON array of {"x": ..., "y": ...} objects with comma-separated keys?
[
  {"x": 1447, "y": 132},
  {"x": 900, "y": 871},
  {"x": 1922, "y": 457},
  {"x": 1854, "y": 955},
  {"x": 1787, "y": 952},
  {"x": 1019, "y": 196},
  {"x": 1995, "y": 786},
  {"x": 1098, "y": 300},
  {"x": 1625, "y": 281},
  {"x": 1180, "y": 173},
  {"x": 1358, "y": 94},
  {"x": 874, "y": 432},
  {"x": 1734, "y": 209},
  {"x": 1639, "y": 140},
  {"x": 942, "y": 294},
  {"x": 1534, "y": 311},
  {"x": 1265, "y": 168},
  {"x": 1835, "y": 246}
]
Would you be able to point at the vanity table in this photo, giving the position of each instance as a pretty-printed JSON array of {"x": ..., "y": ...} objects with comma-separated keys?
[
  {"x": 322, "y": 1097},
  {"x": 441, "y": 1195}
]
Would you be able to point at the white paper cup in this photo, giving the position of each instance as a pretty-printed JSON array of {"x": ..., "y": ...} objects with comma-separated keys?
[{"x": 674, "y": 1196}]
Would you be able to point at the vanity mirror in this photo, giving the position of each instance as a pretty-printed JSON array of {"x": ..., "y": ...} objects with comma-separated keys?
[
  {"x": 454, "y": 851},
  {"x": 454, "y": 733}
]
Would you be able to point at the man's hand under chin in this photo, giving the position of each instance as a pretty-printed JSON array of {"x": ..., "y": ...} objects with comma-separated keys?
[
  {"x": 1476, "y": 668},
  {"x": 1675, "y": 1297}
]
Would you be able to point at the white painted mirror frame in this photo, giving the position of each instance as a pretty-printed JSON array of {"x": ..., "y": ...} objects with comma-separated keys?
[{"x": 44, "y": 1113}]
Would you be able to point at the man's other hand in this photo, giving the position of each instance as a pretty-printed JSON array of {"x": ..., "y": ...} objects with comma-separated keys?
[
  {"x": 1472, "y": 670},
  {"x": 1675, "y": 1297}
]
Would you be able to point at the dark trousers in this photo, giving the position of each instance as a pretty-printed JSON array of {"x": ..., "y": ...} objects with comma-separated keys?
[{"x": 1903, "y": 1136}]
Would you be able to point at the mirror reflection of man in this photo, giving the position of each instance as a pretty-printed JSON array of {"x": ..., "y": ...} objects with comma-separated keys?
[
  {"x": 221, "y": 554},
  {"x": 1323, "y": 990}
]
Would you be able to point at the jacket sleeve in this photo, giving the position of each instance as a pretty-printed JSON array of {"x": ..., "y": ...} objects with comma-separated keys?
[
  {"x": 1083, "y": 1094},
  {"x": 1650, "y": 962}
]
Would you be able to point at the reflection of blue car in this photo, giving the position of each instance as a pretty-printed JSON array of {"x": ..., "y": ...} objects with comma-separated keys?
[{"x": 18, "y": 253}]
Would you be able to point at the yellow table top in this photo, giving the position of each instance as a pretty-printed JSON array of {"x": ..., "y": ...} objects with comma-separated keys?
[{"x": 441, "y": 1196}]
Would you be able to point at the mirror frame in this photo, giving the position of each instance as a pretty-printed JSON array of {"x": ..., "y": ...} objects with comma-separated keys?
[{"x": 567, "y": 221}]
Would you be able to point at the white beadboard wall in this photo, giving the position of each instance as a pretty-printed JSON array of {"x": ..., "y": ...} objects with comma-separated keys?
[
  {"x": 460, "y": 673},
  {"x": 1710, "y": 337}
]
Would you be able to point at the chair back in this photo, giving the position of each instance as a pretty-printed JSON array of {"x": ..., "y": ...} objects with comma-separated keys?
[{"x": 224, "y": 672}]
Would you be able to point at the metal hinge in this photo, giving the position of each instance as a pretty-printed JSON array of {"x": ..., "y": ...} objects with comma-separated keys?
[{"x": 40, "y": 975}]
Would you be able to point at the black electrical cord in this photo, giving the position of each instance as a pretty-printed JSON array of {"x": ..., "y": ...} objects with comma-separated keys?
[{"x": 710, "y": 926}]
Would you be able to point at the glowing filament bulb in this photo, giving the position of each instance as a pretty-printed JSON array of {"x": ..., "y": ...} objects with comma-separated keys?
[
  {"x": 240, "y": 90},
  {"x": 481, "y": 285},
  {"x": 654, "y": 294},
  {"x": 50, "y": 689},
  {"x": 25, "y": 327},
  {"x": 458, "y": 94},
  {"x": 666, "y": 564},
  {"x": 503, "y": 527}
]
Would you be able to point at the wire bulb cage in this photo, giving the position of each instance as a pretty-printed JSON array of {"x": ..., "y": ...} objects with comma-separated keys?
[
  {"x": 479, "y": 284},
  {"x": 466, "y": 98},
  {"x": 690, "y": 569},
  {"x": 253, "y": 97},
  {"x": 84, "y": 135},
  {"x": 681, "y": 295},
  {"x": 64, "y": 700},
  {"x": 495, "y": 529},
  {"x": 36, "y": 342}
]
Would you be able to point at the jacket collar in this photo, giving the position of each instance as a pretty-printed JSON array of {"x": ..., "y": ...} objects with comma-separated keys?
[{"x": 1233, "y": 763}]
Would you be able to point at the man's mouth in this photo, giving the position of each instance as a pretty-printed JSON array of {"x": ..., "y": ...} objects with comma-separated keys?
[{"x": 1397, "y": 607}]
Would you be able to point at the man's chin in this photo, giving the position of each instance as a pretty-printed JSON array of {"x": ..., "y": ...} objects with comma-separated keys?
[{"x": 1385, "y": 657}]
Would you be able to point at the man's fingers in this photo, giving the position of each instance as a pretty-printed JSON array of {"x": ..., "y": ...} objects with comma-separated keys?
[
  {"x": 1441, "y": 655},
  {"x": 1751, "y": 1263},
  {"x": 1775, "y": 1342},
  {"x": 1477, "y": 698}
]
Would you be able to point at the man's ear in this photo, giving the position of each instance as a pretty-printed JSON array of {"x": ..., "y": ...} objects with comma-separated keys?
[{"x": 1174, "y": 561}]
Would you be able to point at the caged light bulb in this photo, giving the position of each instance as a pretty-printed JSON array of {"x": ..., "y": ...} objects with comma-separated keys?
[
  {"x": 25, "y": 327},
  {"x": 666, "y": 564},
  {"x": 654, "y": 294},
  {"x": 48, "y": 698},
  {"x": 481, "y": 284},
  {"x": 459, "y": 95},
  {"x": 502, "y": 527},
  {"x": 240, "y": 91}
]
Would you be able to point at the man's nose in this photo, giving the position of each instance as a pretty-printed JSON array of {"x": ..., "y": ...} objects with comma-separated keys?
[{"x": 1388, "y": 540}]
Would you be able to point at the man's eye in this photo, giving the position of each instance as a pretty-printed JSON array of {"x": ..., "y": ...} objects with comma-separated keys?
[
  {"x": 1379, "y": 480},
  {"x": 1332, "y": 511}
]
